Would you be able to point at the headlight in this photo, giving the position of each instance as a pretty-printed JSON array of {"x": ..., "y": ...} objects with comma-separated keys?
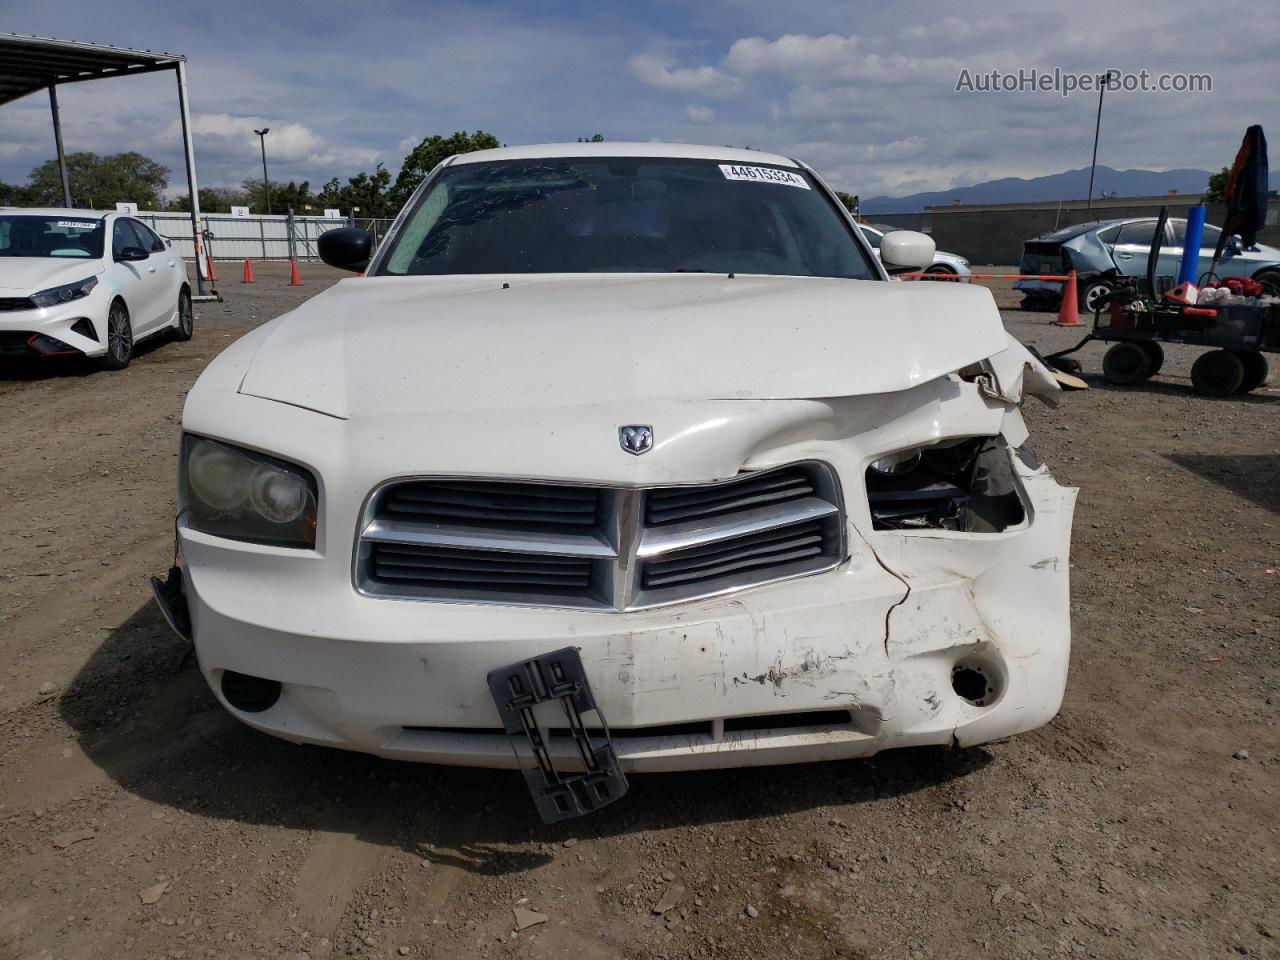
[
  {"x": 65, "y": 293},
  {"x": 243, "y": 495},
  {"x": 896, "y": 464}
]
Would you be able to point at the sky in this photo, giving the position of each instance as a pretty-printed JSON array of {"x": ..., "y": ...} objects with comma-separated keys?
[{"x": 863, "y": 91}]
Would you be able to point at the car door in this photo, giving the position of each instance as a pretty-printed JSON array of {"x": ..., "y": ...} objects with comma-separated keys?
[
  {"x": 127, "y": 275},
  {"x": 168, "y": 274},
  {"x": 150, "y": 314},
  {"x": 1133, "y": 246}
]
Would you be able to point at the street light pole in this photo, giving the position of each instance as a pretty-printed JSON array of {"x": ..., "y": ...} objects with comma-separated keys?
[
  {"x": 266, "y": 184},
  {"x": 1097, "y": 128}
]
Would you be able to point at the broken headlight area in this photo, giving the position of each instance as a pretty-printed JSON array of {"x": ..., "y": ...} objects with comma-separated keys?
[{"x": 966, "y": 485}]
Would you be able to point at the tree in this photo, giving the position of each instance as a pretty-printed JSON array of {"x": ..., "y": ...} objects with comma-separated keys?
[
  {"x": 213, "y": 200},
  {"x": 423, "y": 158},
  {"x": 594, "y": 138},
  {"x": 850, "y": 201},
  {"x": 1217, "y": 192},
  {"x": 102, "y": 181},
  {"x": 15, "y": 195},
  {"x": 283, "y": 196},
  {"x": 364, "y": 195}
]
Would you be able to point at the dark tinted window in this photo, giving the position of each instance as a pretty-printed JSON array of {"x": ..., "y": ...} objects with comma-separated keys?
[
  {"x": 63, "y": 235},
  {"x": 624, "y": 215},
  {"x": 1140, "y": 234},
  {"x": 872, "y": 237},
  {"x": 150, "y": 240}
]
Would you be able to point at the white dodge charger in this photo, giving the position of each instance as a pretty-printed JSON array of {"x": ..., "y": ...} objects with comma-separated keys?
[
  {"x": 87, "y": 284},
  {"x": 629, "y": 432}
]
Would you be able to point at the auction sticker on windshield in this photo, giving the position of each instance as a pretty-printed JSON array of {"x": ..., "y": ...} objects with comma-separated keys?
[{"x": 733, "y": 171}]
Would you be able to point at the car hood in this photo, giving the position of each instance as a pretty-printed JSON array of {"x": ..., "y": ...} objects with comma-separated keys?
[
  {"x": 26, "y": 275},
  {"x": 395, "y": 345}
]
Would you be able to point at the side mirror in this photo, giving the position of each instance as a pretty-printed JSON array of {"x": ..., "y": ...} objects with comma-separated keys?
[
  {"x": 906, "y": 250},
  {"x": 132, "y": 253},
  {"x": 346, "y": 248}
]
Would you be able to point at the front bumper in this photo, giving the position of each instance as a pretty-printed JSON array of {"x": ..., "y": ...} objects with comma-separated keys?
[
  {"x": 839, "y": 664},
  {"x": 18, "y": 327}
]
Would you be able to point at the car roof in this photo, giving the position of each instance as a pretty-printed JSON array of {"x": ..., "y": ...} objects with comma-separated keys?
[
  {"x": 625, "y": 148},
  {"x": 69, "y": 213}
]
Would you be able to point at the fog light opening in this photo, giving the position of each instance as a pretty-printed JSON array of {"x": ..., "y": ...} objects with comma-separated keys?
[
  {"x": 249, "y": 694},
  {"x": 973, "y": 683}
]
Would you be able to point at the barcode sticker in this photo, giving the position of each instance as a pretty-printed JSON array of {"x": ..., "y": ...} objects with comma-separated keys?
[{"x": 733, "y": 171}]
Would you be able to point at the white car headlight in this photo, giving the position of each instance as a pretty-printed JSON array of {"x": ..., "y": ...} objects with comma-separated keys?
[
  {"x": 244, "y": 495},
  {"x": 65, "y": 293}
]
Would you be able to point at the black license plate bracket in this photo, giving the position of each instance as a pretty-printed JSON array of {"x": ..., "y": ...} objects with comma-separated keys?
[{"x": 557, "y": 676}]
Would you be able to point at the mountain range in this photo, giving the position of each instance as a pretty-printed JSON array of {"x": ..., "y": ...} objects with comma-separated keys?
[{"x": 1068, "y": 185}]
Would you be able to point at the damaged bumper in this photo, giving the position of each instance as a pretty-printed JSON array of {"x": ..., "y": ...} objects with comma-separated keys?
[{"x": 921, "y": 637}]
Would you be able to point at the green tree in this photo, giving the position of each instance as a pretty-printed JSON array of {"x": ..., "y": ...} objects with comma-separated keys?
[
  {"x": 102, "y": 181},
  {"x": 594, "y": 138},
  {"x": 283, "y": 196},
  {"x": 213, "y": 200},
  {"x": 850, "y": 201},
  {"x": 15, "y": 195},
  {"x": 423, "y": 158},
  {"x": 364, "y": 195},
  {"x": 1217, "y": 192}
]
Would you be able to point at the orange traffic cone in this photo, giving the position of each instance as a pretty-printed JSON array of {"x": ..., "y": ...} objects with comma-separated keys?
[
  {"x": 248, "y": 272},
  {"x": 1069, "y": 312},
  {"x": 295, "y": 278}
]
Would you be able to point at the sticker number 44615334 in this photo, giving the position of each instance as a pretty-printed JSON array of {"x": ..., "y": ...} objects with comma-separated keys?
[{"x": 733, "y": 171}]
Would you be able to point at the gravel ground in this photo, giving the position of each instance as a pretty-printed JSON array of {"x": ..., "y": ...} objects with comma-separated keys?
[{"x": 138, "y": 820}]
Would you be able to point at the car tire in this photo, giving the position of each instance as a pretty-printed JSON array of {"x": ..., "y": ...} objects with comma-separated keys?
[
  {"x": 1255, "y": 370},
  {"x": 1218, "y": 373},
  {"x": 119, "y": 338},
  {"x": 1269, "y": 279},
  {"x": 185, "y": 326},
  {"x": 939, "y": 272},
  {"x": 1126, "y": 364},
  {"x": 1091, "y": 292},
  {"x": 1156, "y": 353}
]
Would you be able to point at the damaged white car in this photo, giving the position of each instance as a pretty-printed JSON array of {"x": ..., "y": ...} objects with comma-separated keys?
[{"x": 640, "y": 432}]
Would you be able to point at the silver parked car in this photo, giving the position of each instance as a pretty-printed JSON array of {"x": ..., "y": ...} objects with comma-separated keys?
[
  {"x": 945, "y": 265},
  {"x": 1123, "y": 246}
]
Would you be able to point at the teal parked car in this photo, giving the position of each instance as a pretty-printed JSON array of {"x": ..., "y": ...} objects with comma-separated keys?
[{"x": 1122, "y": 246}]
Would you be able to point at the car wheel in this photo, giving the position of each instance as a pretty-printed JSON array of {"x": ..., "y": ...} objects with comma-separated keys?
[
  {"x": 1126, "y": 364},
  {"x": 1255, "y": 369},
  {"x": 1092, "y": 292},
  {"x": 939, "y": 272},
  {"x": 1270, "y": 279},
  {"x": 119, "y": 338},
  {"x": 1218, "y": 373},
  {"x": 186, "y": 317},
  {"x": 1156, "y": 353}
]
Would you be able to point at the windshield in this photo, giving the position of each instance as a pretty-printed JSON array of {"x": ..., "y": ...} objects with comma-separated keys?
[
  {"x": 624, "y": 215},
  {"x": 61, "y": 235}
]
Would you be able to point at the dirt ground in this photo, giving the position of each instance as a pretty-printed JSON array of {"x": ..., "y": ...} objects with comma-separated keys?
[{"x": 137, "y": 820}]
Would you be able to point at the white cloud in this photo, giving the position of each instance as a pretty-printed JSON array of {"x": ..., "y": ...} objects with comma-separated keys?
[
  {"x": 700, "y": 113},
  {"x": 657, "y": 71}
]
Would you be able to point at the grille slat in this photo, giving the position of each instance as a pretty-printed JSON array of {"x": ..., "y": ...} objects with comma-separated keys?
[
  {"x": 17, "y": 303},
  {"x": 675, "y": 504},
  {"x": 802, "y": 542},
  {"x": 535, "y": 543}
]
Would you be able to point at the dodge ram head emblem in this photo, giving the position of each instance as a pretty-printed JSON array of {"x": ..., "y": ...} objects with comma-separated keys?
[{"x": 636, "y": 438}]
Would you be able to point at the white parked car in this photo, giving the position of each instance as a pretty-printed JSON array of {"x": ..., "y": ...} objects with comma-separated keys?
[
  {"x": 87, "y": 283},
  {"x": 945, "y": 266},
  {"x": 636, "y": 430}
]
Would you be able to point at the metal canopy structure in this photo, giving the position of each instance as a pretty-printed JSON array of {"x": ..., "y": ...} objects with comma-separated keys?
[{"x": 31, "y": 64}]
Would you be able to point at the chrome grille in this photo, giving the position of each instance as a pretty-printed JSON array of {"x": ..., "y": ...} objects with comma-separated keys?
[{"x": 606, "y": 548}]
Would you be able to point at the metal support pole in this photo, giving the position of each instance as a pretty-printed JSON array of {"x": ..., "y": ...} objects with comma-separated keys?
[
  {"x": 293, "y": 253},
  {"x": 190, "y": 153},
  {"x": 57, "y": 140},
  {"x": 1097, "y": 128}
]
